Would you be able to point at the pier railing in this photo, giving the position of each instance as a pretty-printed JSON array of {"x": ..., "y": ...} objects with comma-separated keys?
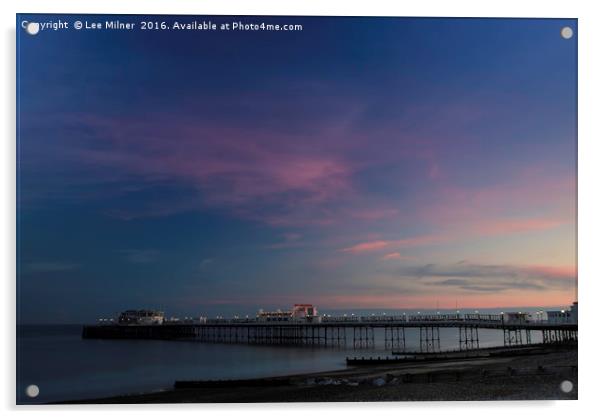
[
  {"x": 447, "y": 320},
  {"x": 491, "y": 319}
]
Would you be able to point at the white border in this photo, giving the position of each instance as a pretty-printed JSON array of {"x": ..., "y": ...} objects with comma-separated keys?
[{"x": 590, "y": 208}]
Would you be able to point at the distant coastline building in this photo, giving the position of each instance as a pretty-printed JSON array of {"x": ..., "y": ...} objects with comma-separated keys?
[
  {"x": 141, "y": 317},
  {"x": 564, "y": 316}
]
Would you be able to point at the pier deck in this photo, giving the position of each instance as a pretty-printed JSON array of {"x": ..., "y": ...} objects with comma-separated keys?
[{"x": 359, "y": 333}]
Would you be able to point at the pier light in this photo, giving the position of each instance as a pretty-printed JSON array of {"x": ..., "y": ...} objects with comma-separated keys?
[{"x": 352, "y": 314}]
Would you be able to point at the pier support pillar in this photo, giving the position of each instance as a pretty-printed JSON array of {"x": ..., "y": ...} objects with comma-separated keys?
[
  {"x": 394, "y": 337},
  {"x": 468, "y": 337},
  {"x": 363, "y": 336},
  {"x": 513, "y": 337},
  {"x": 429, "y": 339}
]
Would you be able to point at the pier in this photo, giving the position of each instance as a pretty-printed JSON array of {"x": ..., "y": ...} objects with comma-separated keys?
[{"x": 358, "y": 332}]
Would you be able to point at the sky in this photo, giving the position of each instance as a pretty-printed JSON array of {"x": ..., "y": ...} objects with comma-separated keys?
[{"x": 358, "y": 163}]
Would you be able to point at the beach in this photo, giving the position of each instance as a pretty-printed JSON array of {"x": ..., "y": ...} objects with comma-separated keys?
[{"x": 524, "y": 376}]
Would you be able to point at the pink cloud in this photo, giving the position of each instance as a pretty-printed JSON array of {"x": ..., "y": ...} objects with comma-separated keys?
[
  {"x": 304, "y": 176},
  {"x": 241, "y": 171},
  {"x": 516, "y": 225},
  {"x": 531, "y": 201},
  {"x": 373, "y": 213},
  {"x": 402, "y": 301},
  {"x": 391, "y": 256},
  {"x": 396, "y": 256},
  {"x": 557, "y": 272},
  {"x": 529, "y": 191},
  {"x": 302, "y": 185},
  {"x": 367, "y": 246},
  {"x": 287, "y": 179},
  {"x": 484, "y": 227},
  {"x": 372, "y": 246}
]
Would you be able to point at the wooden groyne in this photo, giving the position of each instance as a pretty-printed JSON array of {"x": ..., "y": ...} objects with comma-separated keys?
[
  {"x": 450, "y": 355},
  {"x": 358, "y": 361}
]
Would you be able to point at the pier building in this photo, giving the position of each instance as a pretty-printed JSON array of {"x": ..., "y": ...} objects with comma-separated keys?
[{"x": 141, "y": 317}]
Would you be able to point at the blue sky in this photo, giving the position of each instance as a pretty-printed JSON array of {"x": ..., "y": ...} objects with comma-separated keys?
[{"x": 357, "y": 163}]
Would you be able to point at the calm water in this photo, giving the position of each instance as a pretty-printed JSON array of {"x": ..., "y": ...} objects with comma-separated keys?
[{"x": 66, "y": 367}]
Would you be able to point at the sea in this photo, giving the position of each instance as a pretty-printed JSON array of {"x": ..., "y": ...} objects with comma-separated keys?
[{"x": 66, "y": 367}]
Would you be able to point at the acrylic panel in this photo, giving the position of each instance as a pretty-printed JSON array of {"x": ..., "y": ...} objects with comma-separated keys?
[{"x": 289, "y": 208}]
